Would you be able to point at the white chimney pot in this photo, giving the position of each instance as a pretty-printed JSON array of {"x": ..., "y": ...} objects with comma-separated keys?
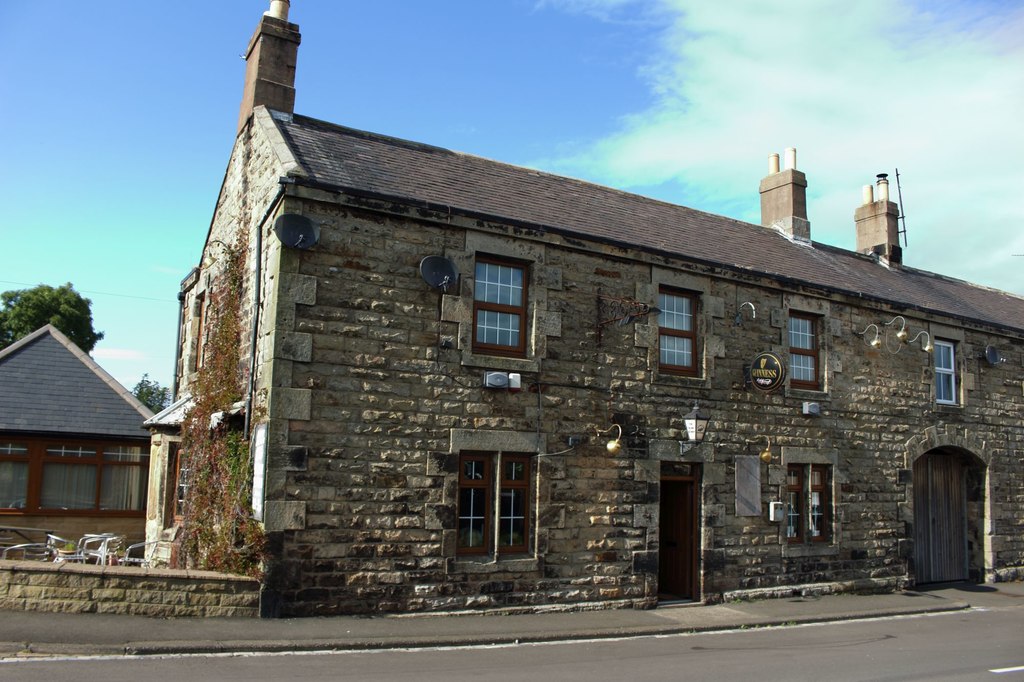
[
  {"x": 883, "y": 189},
  {"x": 790, "y": 158},
  {"x": 868, "y": 195},
  {"x": 279, "y": 9},
  {"x": 773, "y": 164}
]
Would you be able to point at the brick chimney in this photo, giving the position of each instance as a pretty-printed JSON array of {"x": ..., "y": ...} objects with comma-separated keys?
[
  {"x": 784, "y": 198},
  {"x": 877, "y": 223},
  {"x": 270, "y": 64}
]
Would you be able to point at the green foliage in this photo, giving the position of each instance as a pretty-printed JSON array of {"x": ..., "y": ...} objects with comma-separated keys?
[
  {"x": 25, "y": 310},
  {"x": 219, "y": 532},
  {"x": 151, "y": 394}
]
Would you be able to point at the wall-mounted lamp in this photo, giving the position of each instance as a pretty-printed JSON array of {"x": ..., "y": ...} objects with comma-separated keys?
[
  {"x": 875, "y": 342},
  {"x": 696, "y": 424},
  {"x": 901, "y": 334},
  {"x": 615, "y": 445},
  {"x": 766, "y": 454},
  {"x": 926, "y": 345},
  {"x": 739, "y": 313}
]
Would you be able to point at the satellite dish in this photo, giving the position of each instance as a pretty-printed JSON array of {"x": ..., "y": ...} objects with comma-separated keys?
[
  {"x": 439, "y": 272},
  {"x": 296, "y": 231},
  {"x": 992, "y": 355}
]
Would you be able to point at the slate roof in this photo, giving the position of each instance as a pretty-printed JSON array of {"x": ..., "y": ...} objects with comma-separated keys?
[
  {"x": 49, "y": 385},
  {"x": 342, "y": 158}
]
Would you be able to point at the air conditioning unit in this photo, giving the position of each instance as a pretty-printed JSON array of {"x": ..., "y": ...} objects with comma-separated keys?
[{"x": 776, "y": 511}]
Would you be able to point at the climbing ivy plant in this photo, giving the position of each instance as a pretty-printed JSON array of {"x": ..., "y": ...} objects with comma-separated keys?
[{"x": 218, "y": 531}]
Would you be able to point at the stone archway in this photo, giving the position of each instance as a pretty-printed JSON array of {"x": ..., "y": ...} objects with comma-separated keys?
[{"x": 948, "y": 508}]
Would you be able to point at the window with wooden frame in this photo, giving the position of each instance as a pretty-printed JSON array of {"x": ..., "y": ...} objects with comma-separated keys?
[
  {"x": 58, "y": 476},
  {"x": 177, "y": 480},
  {"x": 677, "y": 336},
  {"x": 499, "y": 307},
  {"x": 493, "y": 504},
  {"x": 808, "y": 503},
  {"x": 945, "y": 372},
  {"x": 200, "y": 327},
  {"x": 803, "y": 351}
]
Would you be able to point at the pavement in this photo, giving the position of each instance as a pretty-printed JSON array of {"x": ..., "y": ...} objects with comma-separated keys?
[{"x": 26, "y": 634}]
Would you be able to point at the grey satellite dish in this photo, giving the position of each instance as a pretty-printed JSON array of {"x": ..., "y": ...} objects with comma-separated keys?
[
  {"x": 296, "y": 231},
  {"x": 439, "y": 272},
  {"x": 992, "y": 355}
]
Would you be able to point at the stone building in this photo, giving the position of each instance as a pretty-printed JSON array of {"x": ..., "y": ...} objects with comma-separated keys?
[{"x": 442, "y": 347}]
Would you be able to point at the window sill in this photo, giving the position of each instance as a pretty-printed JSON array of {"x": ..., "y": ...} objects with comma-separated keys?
[
  {"x": 807, "y": 394},
  {"x": 486, "y": 564},
  {"x": 500, "y": 362},
  {"x": 809, "y": 549},
  {"x": 669, "y": 378}
]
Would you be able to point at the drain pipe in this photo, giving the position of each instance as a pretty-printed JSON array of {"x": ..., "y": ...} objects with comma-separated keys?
[
  {"x": 177, "y": 346},
  {"x": 257, "y": 290}
]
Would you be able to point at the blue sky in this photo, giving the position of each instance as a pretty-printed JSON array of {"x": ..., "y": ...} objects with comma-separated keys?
[{"x": 118, "y": 118}]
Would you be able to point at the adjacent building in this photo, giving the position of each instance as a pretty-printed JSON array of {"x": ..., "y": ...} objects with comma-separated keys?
[
  {"x": 74, "y": 456},
  {"x": 442, "y": 347}
]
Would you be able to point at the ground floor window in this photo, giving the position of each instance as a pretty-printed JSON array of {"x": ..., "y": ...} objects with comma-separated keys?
[
  {"x": 72, "y": 475},
  {"x": 808, "y": 503},
  {"x": 493, "y": 503}
]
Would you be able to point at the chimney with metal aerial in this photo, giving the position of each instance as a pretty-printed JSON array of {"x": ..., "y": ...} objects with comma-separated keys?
[
  {"x": 877, "y": 222},
  {"x": 784, "y": 198},
  {"x": 270, "y": 64}
]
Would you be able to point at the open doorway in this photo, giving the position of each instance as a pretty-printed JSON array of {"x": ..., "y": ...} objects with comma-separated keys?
[{"x": 679, "y": 532}]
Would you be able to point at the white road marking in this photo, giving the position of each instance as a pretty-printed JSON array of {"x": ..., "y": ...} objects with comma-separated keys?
[{"x": 999, "y": 671}]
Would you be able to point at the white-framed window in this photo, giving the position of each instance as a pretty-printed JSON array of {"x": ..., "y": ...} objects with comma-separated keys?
[{"x": 945, "y": 372}]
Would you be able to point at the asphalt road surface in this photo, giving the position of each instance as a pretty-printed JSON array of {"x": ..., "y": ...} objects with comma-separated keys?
[{"x": 977, "y": 644}]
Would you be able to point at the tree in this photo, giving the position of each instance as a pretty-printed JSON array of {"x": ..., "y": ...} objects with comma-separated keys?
[
  {"x": 26, "y": 310},
  {"x": 151, "y": 394}
]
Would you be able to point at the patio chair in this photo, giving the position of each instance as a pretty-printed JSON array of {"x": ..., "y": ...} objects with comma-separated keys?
[
  {"x": 139, "y": 554},
  {"x": 64, "y": 549},
  {"x": 99, "y": 548},
  {"x": 29, "y": 551}
]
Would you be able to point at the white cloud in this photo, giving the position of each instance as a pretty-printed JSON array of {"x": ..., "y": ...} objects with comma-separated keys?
[{"x": 936, "y": 90}]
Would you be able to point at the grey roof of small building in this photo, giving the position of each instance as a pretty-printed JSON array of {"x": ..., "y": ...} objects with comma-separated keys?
[
  {"x": 49, "y": 385},
  {"x": 345, "y": 159}
]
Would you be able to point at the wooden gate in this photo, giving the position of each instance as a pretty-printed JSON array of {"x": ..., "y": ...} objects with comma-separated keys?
[
  {"x": 940, "y": 519},
  {"x": 678, "y": 527}
]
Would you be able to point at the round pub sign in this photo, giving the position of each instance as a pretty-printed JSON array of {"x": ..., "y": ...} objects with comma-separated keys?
[{"x": 767, "y": 372}]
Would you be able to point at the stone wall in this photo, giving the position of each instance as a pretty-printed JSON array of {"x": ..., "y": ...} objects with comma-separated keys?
[
  {"x": 370, "y": 388},
  {"x": 73, "y": 588},
  {"x": 368, "y": 479}
]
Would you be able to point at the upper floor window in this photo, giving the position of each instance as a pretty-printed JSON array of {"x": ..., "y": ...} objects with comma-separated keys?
[
  {"x": 945, "y": 372},
  {"x": 479, "y": 486},
  {"x": 803, "y": 351},
  {"x": 499, "y": 307},
  {"x": 677, "y": 338}
]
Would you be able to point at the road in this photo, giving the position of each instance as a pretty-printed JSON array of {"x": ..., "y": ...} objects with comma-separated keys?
[{"x": 964, "y": 645}]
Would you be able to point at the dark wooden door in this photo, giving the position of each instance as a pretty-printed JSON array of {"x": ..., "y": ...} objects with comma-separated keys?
[
  {"x": 677, "y": 558},
  {"x": 940, "y": 519}
]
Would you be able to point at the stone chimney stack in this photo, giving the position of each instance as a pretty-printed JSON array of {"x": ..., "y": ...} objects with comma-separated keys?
[
  {"x": 270, "y": 64},
  {"x": 877, "y": 223},
  {"x": 784, "y": 198}
]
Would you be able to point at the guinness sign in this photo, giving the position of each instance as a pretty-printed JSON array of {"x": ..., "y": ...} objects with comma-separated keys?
[{"x": 767, "y": 372}]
